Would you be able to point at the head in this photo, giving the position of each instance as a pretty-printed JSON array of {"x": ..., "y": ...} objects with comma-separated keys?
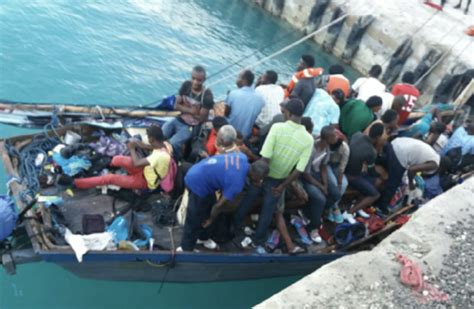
[
  {"x": 218, "y": 122},
  {"x": 336, "y": 69},
  {"x": 155, "y": 136},
  {"x": 437, "y": 127},
  {"x": 308, "y": 124},
  {"x": 374, "y": 103},
  {"x": 258, "y": 171},
  {"x": 390, "y": 120},
  {"x": 245, "y": 78},
  {"x": 270, "y": 77},
  {"x": 375, "y": 71},
  {"x": 408, "y": 77},
  {"x": 328, "y": 135},
  {"x": 293, "y": 109},
  {"x": 470, "y": 126},
  {"x": 240, "y": 139},
  {"x": 376, "y": 132},
  {"x": 306, "y": 61},
  {"x": 226, "y": 136},
  {"x": 198, "y": 77},
  {"x": 398, "y": 102},
  {"x": 338, "y": 96}
]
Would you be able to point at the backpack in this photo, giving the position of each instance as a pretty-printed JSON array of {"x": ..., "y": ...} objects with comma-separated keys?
[{"x": 167, "y": 183}]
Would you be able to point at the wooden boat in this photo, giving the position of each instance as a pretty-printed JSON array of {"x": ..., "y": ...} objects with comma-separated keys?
[{"x": 163, "y": 263}]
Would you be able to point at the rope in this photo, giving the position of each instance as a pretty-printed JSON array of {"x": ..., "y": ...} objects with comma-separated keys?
[{"x": 303, "y": 39}]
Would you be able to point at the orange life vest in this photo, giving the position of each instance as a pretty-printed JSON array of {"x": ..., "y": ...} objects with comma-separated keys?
[{"x": 306, "y": 73}]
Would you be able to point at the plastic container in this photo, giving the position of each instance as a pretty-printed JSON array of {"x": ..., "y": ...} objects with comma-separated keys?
[{"x": 71, "y": 138}]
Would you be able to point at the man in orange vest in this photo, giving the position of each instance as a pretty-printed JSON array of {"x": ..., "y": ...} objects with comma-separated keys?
[{"x": 302, "y": 84}]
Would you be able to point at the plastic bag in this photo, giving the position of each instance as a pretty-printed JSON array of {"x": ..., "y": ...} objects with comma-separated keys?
[
  {"x": 8, "y": 216},
  {"x": 119, "y": 229}
]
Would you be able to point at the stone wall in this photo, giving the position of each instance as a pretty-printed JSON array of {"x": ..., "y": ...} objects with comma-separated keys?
[
  {"x": 395, "y": 21},
  {"x": 438, "y": 237}
]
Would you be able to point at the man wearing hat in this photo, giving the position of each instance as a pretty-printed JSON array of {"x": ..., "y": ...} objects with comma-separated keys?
[{"x": 288, "y": 145}]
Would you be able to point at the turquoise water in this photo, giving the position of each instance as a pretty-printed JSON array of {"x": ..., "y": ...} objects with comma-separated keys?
[{"x": 126, "y": 53}]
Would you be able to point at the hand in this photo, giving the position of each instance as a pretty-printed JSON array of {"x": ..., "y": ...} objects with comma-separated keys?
[
  {"x": 207, "y": 223},
  {"x": 132, "y": 144},
  {"x": 277, "y": 190},
  {"x": 195, "y": 109}
]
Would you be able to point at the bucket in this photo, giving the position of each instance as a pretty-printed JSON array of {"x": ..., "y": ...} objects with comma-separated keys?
[{"x": 71, "y": 138}]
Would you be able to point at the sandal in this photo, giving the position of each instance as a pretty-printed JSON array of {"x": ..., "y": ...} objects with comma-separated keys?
[{"x": 297, "y": 250}]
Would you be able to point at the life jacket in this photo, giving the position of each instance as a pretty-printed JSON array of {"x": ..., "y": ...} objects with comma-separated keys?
[{"x": 306, "y": 73}]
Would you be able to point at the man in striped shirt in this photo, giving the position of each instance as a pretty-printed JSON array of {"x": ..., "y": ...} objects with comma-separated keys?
[{"x": 287, "y": 150}]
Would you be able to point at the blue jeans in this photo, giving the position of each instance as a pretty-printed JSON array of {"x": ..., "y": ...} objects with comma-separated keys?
[
  {"x": 177, "y": 133},
  {"x": 333, "y": 174},
  {"x": 270, "y": 200},
  {"x": 318, "y": 201}
]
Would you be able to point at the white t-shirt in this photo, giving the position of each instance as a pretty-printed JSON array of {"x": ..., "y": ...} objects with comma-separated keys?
[
  {"x": 367, "y": 87},
  {"x": 411, "y": 151},
  {"x": 273, "y": 95},
  {"x": 440, "y": 143}
]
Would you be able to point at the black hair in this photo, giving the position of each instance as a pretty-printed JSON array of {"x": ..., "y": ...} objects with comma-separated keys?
[
  {"x": 376, "y": 131},
  {"x": 336, "y": 69},
  {"x": 239, "y": 135},
  {"x": 309, "y": 60},
  {"x": 375, "y": 71},
  {"x": 438, "y": 127},
  {"x": 248, "y": 76},
  {"x": 408, "y": 77},
  {"x": 200, "y": 69},
  {"x": 374, "y": 101},
  {"x": 327, "y": 131},
  {"x": 339, "y": 95},
  {"x": 271, "y": 76},
  {"x": 307, "y": 123},
  {"x": 155, "y": 133},
  {"x": 389, "y": 116},
  {"x": 218, "y": 122}
]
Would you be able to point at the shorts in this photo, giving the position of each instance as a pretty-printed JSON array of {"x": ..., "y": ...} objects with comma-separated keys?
[{"x": 364, "y": 184}]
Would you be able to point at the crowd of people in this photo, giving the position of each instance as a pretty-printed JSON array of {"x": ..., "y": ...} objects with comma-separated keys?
[{"x": 318, "y": 133}]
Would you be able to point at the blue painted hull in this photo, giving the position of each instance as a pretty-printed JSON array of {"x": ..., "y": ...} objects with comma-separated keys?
[{"x": 186, "y": 267}]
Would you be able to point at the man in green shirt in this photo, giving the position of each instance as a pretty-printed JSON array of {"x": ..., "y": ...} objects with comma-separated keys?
[
  {"x": 287, "y": 150},
  {"x": 356, "y": 115}
]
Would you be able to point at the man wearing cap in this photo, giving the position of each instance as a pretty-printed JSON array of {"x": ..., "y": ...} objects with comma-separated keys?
[{"x": 287, "y": 150}]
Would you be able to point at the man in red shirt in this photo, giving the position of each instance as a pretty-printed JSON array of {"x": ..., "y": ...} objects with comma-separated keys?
[
  {"x": 410, "y": 92},
  {"x": 217, "y": 123}
]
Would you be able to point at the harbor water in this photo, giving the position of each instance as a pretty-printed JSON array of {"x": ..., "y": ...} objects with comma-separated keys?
[{"x": 132, "y": 53}]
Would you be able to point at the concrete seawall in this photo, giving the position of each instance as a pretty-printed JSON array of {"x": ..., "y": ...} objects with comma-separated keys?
[
  {"x": 432, "y": 37},
  {"x": 438, "y": 237}
]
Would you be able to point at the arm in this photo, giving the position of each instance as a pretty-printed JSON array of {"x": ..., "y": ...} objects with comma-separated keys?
[
  {"x": 293, "y": 176},
  {"x": 142, "y": 145},
  {"x": 137, "y": 162},
  {"x": 309, "y": 178},
  {"x": 179, "y": 106},
  {"x": 203, "y": 115},
  {"x": 215, "y": 211},
  {"x": 324, "y": 178},
  {"x": 424, "y": 167}
]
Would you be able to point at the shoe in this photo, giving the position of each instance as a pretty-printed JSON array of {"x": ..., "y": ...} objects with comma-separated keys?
[
  {"x": 248, "y": 231},
  {"x": 260, "y": 250},
  {"x": 363, "y": 214},
  {"x": 208, "y": 244},
  {"x": 349, "y": 217},
  {"x": 315, "y": 236},
  {"x": 296, "y": 250},
  {"x": 247, "y": 241},
  {"x": 337, "y": 215}
]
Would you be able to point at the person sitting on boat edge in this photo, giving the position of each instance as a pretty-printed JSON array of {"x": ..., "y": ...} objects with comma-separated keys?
[
  {"x": 272, "y": 94},
  {"x": 320, "y": 182},
  {"x": 194, "y": 101},
  {"x": 286, "y": 146},
  {"x": 225, "y": 172},
  {"x": 143, "y": 173},
  {"x": 245, "y": 104},
  {"x": 360, "y": 170},
  {"x": 365, "y": 87},
  {"x": 303, "y": 82}
]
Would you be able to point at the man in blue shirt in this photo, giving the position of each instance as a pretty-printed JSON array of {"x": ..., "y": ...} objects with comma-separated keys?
[
  {"x": 245, "y": 104},
  {"x": 225, "y": 173}
]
